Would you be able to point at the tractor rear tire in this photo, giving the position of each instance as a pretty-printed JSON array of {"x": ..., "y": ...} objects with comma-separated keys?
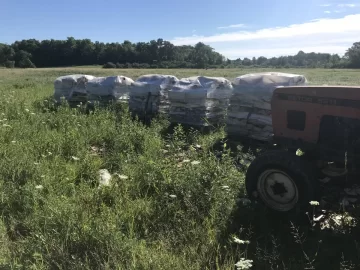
[{"x": 281, "y": 181}]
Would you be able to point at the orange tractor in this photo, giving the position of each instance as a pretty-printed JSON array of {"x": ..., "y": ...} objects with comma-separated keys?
[{"x": 324, "y": 123}]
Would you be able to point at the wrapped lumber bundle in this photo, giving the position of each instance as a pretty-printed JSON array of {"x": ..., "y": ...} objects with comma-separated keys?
[
  {"x": 149, "y": 94},
  {"x": 249, "y": 112},
  {"x": 72, "y": 87},
  {"x": 199, "y": 101},
  {"x": 109, "y": 89}
]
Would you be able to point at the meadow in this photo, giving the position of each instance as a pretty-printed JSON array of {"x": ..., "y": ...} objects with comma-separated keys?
[{"x": 174, "y": 202}]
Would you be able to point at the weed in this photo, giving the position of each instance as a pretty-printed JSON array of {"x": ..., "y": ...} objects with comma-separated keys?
[{"x": 167, "y": 205}]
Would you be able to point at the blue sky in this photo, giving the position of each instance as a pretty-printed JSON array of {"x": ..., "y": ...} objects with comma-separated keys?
[{"x": 234, "y": 28}]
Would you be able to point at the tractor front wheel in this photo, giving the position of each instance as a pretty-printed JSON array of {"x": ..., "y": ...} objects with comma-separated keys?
[{"x": 280, "y": 180}]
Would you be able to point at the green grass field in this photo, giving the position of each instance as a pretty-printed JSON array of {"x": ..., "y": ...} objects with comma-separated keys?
[{"x": 171, "y": 205}]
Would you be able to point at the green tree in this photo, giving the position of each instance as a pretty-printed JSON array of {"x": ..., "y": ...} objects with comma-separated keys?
[
  {"x": 156, "y": 53},
  {"x": 261, "y": 61},
  {"x": 353, "y": 55},
  {"x": 22, "y": 59},
  {"x": 253, "y": 61},
  {"x": 246, "y": 62},
  {"x": 6, "y": 53},
  {"x": 200, "y": 55}
]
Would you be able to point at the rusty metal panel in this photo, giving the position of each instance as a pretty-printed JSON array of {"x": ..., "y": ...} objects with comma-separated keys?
[{"x": 315, "y": 101}]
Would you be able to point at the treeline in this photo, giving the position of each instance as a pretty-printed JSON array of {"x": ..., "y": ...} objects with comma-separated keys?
[
  {"x": 351, "y": 59},
  {"x": 154, "y": 54},
  {"x": 301, "y": 60},
  {"x": 72, "y": 52}
]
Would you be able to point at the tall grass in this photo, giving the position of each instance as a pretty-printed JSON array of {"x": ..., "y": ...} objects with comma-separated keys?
[{"x": 172, "y": 203}]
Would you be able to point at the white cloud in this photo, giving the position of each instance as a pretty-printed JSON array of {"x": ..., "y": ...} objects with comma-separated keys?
[
  {"x": 321, "y": 35},
  {"x": 316, "y": 20},
  {"x": 232, "y": 26},
  {"x": 346, "y": 5},
  {"x": 348, "y": 23},
  {"x": 339, "y": 7}
]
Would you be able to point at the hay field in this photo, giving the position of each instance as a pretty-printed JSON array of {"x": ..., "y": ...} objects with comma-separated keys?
[{"x": 172, "y": 203}]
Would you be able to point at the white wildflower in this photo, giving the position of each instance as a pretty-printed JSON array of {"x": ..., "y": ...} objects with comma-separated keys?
[
  {"x": 39, "y": 187},
  {"x": 75, "y": 158},
  {"x": 104, "y": 177},
  {"x": 172, "y": 196},
  {"x": 195, "y": 162},
  {"x": 244, "y": 264},
  {"x": 186, "y": 160},
  {"x": 123, "y": 177},
  {"x": 316, "y": 219},
  {"x": 314, "y": 203},
  {"x": 239, "y": 241},
  {"x": 94, "y": 148},
  {"x": 299, "y": 152}
]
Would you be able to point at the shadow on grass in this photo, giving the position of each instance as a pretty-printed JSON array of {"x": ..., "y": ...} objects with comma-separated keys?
[{"x": 319, "y": 239}]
